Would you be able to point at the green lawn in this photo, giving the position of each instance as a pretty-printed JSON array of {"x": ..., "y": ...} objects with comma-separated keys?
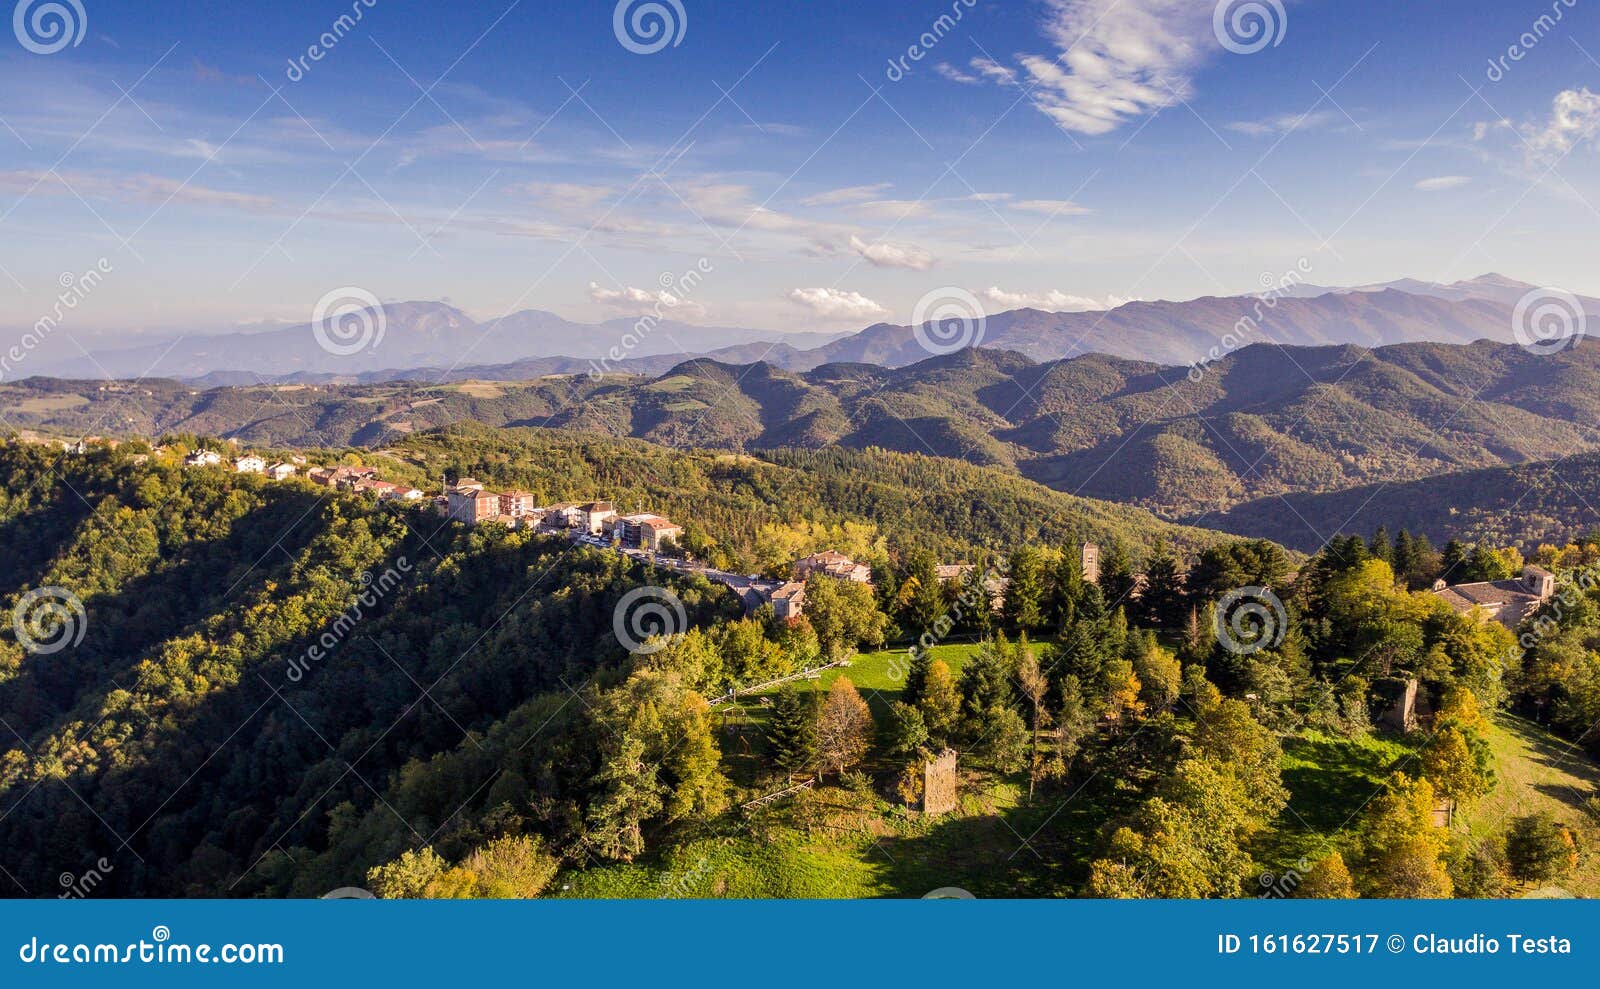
[
  {"x": 837, "y": 843},
  {"x": 1540, "y": 772},
  {"x": 1329, "y": 779},
  {"x": 884, "y": 672},
  {"x": 879, "y": 676}
]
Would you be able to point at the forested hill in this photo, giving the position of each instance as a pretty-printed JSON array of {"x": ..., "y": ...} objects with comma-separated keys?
[
  {"x": 1554, "y": 501},
  {"x": 1266, "y": 420},
  {"x": 197, "y": 740},
  {"x": 245, "y": 712}
]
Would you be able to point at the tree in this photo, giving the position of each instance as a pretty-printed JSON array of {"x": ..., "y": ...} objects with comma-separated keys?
[
  {"x": 1074, "y": 723},
  {"x": 1327, "y": 879},
  {"x": 1024, "y": 596},
  {"x": 1159, "y": 672},
  {"x": 1539, "y": 849},
  {"x": 1122, "y": 692},
  {"x": 1380, "y": 547},
  {"x": 630, "y": 793},
  {"x": 1116, "y": 575},
  {"x": 1458, "y": 759},
  {"x": 985, "y": 685},
  {"x": 1199, "y": 635},
  {"x": 844, "y": 615},
  {"x": 921, "y": 591},
  {"x": 1403, "y": 847},
  {"x": 1448, "y": 763},
  {"x": 1162, "y": 600},
  {"x": 515, "y": 867},
  {"x": 1066, "y": 589},
  {"x": 844, "y": 728},
  {"x": 940, "y": 703},
  {"x": 1005, "y": 739},
  {"x": 1035, "y": 685},
  {"x": 407, "y": 877},
  {"x": 916, "y": 675},
  {"x": 905, "y": 733},
  {"x": 792, "y": 730}
]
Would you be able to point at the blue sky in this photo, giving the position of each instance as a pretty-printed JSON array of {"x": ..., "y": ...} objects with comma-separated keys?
[{"x": 507, "y": 155}]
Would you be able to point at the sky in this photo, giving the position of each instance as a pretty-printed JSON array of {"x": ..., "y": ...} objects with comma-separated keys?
[{"x": 825, "y": 164}]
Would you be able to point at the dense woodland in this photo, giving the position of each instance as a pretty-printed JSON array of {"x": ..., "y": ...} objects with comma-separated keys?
[{"x": 281, "y": 690}]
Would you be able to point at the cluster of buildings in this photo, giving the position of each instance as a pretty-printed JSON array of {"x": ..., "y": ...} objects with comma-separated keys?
[
  {"x": 363, "y": 480},
  {"x": 469, "y": 503}
]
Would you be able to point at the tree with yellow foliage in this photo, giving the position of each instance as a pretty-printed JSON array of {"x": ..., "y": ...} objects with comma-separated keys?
[
  {"x": 1403, "y": 848},
  {"x": 844, "y": 728},
  {"x": 1327, "y": 879}
]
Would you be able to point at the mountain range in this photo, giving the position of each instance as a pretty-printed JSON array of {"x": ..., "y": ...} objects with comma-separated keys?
[
  {"x": 1259, "y": 423},
  {"x": 414, "y": 335},
  {"x": 432, "y": 341}
]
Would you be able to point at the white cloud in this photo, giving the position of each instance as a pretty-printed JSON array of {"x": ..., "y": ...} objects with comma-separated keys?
[
  {"x": 1052, "y": 207},
  {"x": 832, "y": 303},
  {"x": 566, "y": 195},
  {"x": 994, "y": 71},
  {"x": 1118, "y": 59},
  {"x": 895, "y": 209},
  {"x": 884, "y": 254},
  {"x": 1574, "y": 120},
  {"x": 847, "y": 195},
  {"x": 1053, "y": 300},
  {"x": 636, "y": 300},
  {"x": 1282, "y": 124},
  {"x": 1441, "y": 183},
  {"x": 956, "y": 75}
]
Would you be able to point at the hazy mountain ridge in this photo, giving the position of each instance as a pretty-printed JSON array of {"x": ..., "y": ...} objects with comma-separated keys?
[
  {"x": 419, "y": 335},
  {"x": 432, "y": 341}
]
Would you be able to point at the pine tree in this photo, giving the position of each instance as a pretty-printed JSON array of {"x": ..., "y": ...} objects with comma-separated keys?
[
  {"x": 1116, "y": 575},
  {"x": 1404, "y": 559},
  {"x": 792, "y": 730},
  {"x": 916, "y": 676},
  {"x": 1025, "y": 593},
  {"x": 1380, "y": 548},
  {"x": 1162, "y": 601}
]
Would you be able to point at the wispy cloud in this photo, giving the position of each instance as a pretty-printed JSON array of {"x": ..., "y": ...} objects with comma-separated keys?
[
  {"x": 1441, "y": 183},
  {"x": 956, "y": 75},
  {"x": 1051, "y": 207},
  {"x": 1283, "y": 124},
  {"x": 847, "y": 195},
  {"x": 832, "y": 303},
  {"x": 133, "y": 188}
]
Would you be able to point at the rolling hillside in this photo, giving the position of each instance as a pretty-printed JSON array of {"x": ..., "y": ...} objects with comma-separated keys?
[
  {"x": 1553, "y": 501},
  {"x": 1262, "y": 422}
]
